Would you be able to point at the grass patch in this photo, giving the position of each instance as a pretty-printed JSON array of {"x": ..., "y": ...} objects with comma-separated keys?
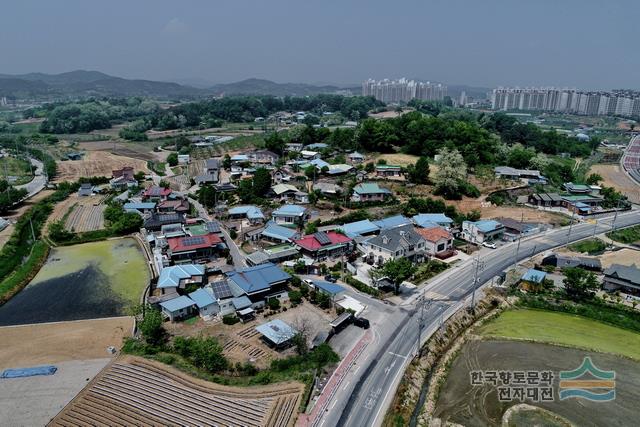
[
  {"x": 23, "y": 275},
  {"x": 18, "y": 168},
  {"x": 627, "y": 235},
  {"x": 564, "y": 329},
  {"x": 589, "y": 246}
]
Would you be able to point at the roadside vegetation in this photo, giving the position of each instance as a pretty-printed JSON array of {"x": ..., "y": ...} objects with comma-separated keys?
[
  {"x": 589, "y": 246},
  {"x": 627, "y": 235},
  {"x": 202, "y": 356}
]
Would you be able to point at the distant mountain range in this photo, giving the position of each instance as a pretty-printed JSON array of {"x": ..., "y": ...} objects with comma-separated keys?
[
  {"x": 87, "y": 83},
  {"x": 80, "y": 83}
]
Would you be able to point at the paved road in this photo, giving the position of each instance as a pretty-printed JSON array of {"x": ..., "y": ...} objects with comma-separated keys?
[
  {"x": 368, "y": 391},
  {"x": 38, "y": 182}
]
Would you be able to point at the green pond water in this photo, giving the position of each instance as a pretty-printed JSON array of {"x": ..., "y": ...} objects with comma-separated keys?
[{"x": 121, "y": 261}]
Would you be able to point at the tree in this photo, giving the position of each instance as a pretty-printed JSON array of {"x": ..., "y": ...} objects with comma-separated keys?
[
  {"x": 139, "y": 176},
  {"x": 452, "y": 170},
  {"x": 172, "y": 159},
  {"x": 151, "y": 326},
  {"x": 275, "y": 143},
  {"x": 207, "y": 196},
  {"x": 295, "y": 297},
  {"x": 311, "y": 227},
  {"x": 164, "y": 183},
  {"x": 310, "y": 172},
  {"x": 226, "y": 161},
  {"x": 397, "y": 270},
  {"x": 419, "y": 173},
  {"x": 579, "y": 283},
  {"x": 369, "y": 167},
  {"x": 261, "y": 182},
  {"x": 274, "y": 303},
  {"x": 593, "y": 179},
  {"x": 245, "y": 191}
]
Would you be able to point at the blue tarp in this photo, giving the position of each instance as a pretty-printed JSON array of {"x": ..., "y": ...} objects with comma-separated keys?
[{"x": 29, "y": 372}]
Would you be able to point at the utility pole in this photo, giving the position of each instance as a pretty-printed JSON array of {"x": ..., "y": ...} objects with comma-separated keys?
[
  {"x": 615, "y": 217},
  {"x": 519, "y": 236},
  {"x": 424, "y": 302},
  {"x": 478, "y": 268},
  {"x": 573, "y": 214}
]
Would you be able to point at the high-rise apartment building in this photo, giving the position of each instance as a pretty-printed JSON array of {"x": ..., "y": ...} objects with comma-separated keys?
[
  {"x": 403, "y": 90},
  {"x": 624, "y": 103}
]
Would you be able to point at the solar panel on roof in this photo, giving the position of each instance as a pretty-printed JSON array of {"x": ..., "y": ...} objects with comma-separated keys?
[
  {"x": 190, "y": 241},
  {"x": 322, "y": 238},
  {"x": 212, "y": 227},
  {"x": 221, "y": 289}
]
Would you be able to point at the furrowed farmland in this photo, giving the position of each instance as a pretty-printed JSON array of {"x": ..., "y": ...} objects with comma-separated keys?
[{"x": 135, "y": 391}]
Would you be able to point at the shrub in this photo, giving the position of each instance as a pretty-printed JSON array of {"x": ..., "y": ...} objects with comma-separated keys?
[
  {"x": 230, "y": 319},
  {"x": 274, "y": 303}
]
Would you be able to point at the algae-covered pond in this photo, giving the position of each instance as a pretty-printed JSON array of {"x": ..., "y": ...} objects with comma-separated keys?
[{"x": 87, "y": 281}]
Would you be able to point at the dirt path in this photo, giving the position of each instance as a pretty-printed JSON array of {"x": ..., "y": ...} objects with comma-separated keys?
[{"x": 29, "y": 345}]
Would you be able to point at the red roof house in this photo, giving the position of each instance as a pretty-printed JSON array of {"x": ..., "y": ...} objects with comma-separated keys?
[
  {"x": 322, "y": 244},
  {"x": 439, "y": 241},
  {"x": 155, "y": 192},
  {"x": 193, "y": 247}
]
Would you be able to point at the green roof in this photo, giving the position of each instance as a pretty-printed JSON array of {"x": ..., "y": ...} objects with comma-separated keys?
[{"x": 388, "y": 167}]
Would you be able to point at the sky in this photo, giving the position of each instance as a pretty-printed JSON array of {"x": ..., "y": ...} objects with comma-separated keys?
[{"x": 588, "y": 44}]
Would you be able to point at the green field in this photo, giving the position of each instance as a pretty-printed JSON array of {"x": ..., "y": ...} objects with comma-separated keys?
[
  {"x": 627, "y": 235},
  {"x": 564, "y": 329},
  {"x": 19, "y": 168},
  {"x": 589, "y": 246}
]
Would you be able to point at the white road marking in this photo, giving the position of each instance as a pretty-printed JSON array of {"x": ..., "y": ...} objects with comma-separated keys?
[{"x": 399, "y": 355}]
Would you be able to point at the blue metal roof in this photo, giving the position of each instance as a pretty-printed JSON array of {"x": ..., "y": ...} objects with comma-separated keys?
[
  {"x": 328, "y": 287},
  {"x": 241, "y": 302},
  {"x": 426, "y": 220},
  {"x": 177, "y": 303},
  {"x": 142, "y": 205},
  {"x": 258, "y": 278},
  {"x": 170, "y": 276},
  {"x": 276, "y": 331},
  {"x": 319, "y": 163},
  {"x": 533, "y": 275},
  {"x": 392, "y": 222},
  {"x": 252, "y": 212},
  {"x": 202, "y": 298},
  {"x": 359, "y": 227},
  {"x": 487, "y": 225},
  {"x": 290, "y": 210},
  {"x": 279, "y": 232}
]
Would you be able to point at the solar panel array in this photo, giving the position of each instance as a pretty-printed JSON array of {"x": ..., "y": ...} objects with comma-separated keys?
[
  {"x": 322, "y": 238},
  {"x": 195, "y": 240},
  {"x": 212, "y": 227},
  {"x": 221, "y": 289}
]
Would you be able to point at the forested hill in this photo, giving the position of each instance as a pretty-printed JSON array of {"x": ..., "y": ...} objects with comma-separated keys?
[
  {"x": 89, "y": 83},
  {"x": 82, "y": 83},
  {"x": 267, "y": 87}
]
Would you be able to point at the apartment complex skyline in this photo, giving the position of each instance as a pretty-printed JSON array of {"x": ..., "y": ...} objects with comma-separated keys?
[
  {"x": 403, "y": 90},
  {"x": 625, "y": 103}
]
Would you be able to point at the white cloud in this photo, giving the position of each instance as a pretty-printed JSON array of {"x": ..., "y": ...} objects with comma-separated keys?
[{"x": 175, "y": 26}]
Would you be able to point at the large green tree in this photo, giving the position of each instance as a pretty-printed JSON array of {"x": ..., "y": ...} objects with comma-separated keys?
[
  {"x": 397, "y": 270},
  {"x": 579, "y": 283},
  {"x": 419, "y": 173}
]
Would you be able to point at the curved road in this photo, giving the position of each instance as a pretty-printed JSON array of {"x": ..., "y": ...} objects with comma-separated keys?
[{"x": 367, "y": 392}]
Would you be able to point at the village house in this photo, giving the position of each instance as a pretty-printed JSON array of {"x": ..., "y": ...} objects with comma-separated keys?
[
  {"x": 288, "y": 192},
  {"x": 360, "y": 228},
  {"x": 514, "y": 229},
  {"x": 179, "y": 277},
  {"x": 193, "y": 247},
  {"x": 177, "y": 206},
  {"x": 252, "y": 213},
  {"x": 327, "y": 188},
  {"x": 507, "y": 172},
  {"x": 482, "y": 231},
  {"x": 309, "y": 155},
  {"x": 156, "y": 220},
  {"x": 277, "y": 334},
  {"x": 388, "y": 171},
  {"x": 429, "y": 220},
  {"x": 205, "y": 303},
  {"x": 369, "y": 192},
  {"x": 86, "y": 189},
  {"x": 262, "y": 157},
  {"x": 278, "y": 233},
  {"x": 156, "y": 194},
  {"x": 178, "y": 308},
  {"x": 139, "y": 207},
  {"x": 123, "y": 178},
  {"x": 438, "y": 241},
  {"x": 625, "y": 278},
  {"x": 292, "y": 215},
  {"x": 259, "y": 282},
  {"x": 210, "y": 174},
  {"x": 355, "y": 158},
  {"x": 532, "y": 280},
  {"x": 399, "y": 242},
  {"x": 547, "y": 200},
  {"x": 323, "y": 245},
  {"x": 566, "y": 261}
]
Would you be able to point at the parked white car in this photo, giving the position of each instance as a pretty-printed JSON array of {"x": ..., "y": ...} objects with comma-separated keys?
[{"x": 489, "y": 245}]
